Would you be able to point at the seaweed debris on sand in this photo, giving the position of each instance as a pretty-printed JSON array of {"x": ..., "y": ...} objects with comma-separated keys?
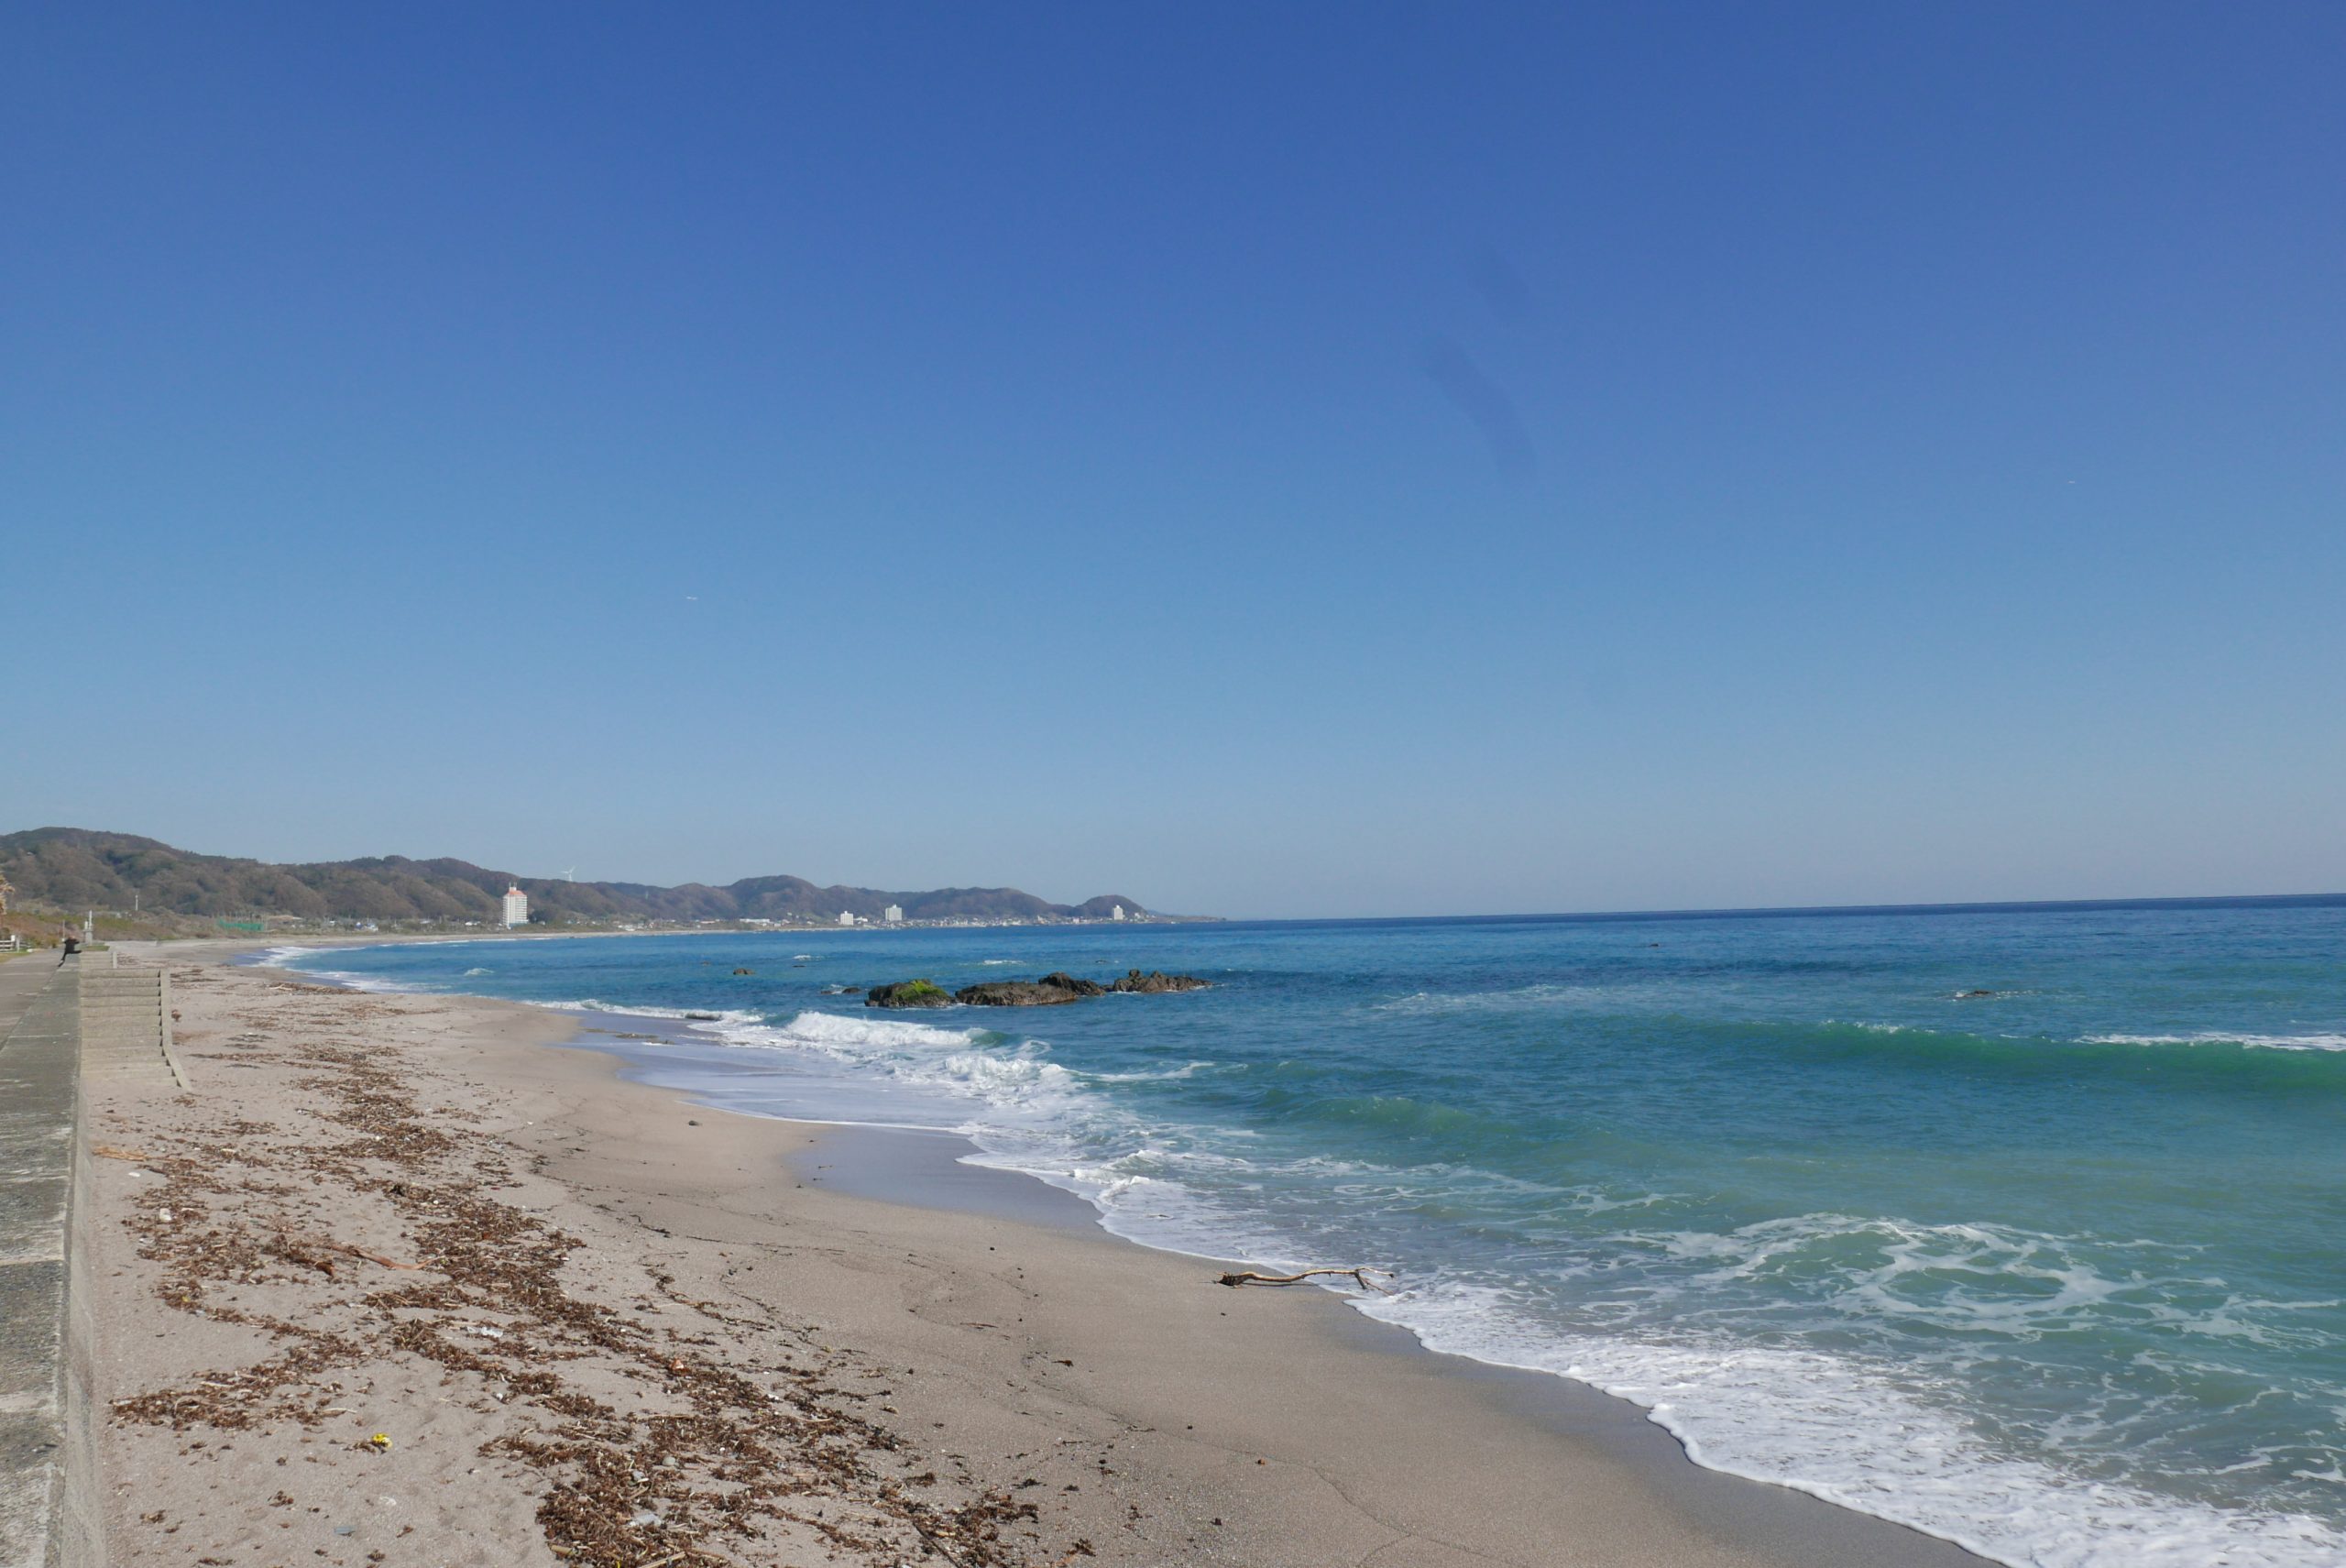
[{"x": 369, "y": 1238}]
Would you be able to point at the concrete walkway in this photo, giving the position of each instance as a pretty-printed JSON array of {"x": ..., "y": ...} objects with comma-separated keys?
[
  {"x": 40, "y": 1525},
  {"x": 21, "y": 980}
]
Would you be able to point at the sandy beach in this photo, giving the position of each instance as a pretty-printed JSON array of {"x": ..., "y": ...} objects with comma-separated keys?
[{"x": 398, "y": 1282}]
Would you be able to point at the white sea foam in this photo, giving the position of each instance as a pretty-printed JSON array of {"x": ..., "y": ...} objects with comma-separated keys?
[
  {"x": 2313, "y": 1042},
  {"x": 699, "y": 1015},
  {"x": 288, "y": 956},
  {"x": 853, "y": 1037},
  {"x": 1979, "y": 1278},
  {"x": 1850, "y": 1432},
  {"x": 1187, "y": 1069},
  {"x": 344, "y": 978},
  {"x": 1018, "y": 1079}
]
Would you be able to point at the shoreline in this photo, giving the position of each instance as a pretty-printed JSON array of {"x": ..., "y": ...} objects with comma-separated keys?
[{"x": 925, "y": 1170}]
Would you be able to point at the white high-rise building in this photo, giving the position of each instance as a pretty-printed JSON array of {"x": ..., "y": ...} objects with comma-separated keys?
[
  {"x": 893, "y": 913},
  {"x": 1115, "y": 912},
  {"x": 847, "y": 916},
  {"x": 517, "y": 907}
]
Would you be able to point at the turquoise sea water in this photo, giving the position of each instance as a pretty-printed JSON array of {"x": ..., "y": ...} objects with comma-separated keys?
[{"x": 2058, "y": 1271}]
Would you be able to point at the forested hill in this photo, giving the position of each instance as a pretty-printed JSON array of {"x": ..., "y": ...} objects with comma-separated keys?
[{"x": 73, "y": 869}]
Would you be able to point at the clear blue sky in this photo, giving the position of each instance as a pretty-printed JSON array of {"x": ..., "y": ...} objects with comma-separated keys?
[{"x": 1268, "y": 460}]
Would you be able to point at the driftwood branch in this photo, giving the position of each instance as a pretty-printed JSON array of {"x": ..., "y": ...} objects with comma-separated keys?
[
  {"x": 1359, "y": 1276},
  {"x": 936, "y": 1545}
]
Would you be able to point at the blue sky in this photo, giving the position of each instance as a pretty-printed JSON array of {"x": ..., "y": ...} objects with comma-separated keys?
[{"x": 1260, "y": 460}]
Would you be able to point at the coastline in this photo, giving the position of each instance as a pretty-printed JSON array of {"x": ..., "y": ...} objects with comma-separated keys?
[{"x": 1364, "y": 1443}]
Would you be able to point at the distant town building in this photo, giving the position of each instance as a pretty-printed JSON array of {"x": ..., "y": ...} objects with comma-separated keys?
[
  {"x": 517, "y": 907},
  {"x": 847, "y": 916},
  {"x": 893, "y": 913},
  {"x": 1115, "y": 912}
]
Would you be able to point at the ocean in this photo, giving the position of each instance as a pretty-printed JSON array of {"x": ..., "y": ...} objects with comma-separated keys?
[{"x": 2025, "y": 1227}]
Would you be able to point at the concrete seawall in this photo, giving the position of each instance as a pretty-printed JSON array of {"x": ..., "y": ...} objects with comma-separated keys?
[{"x": 49, "y": 1516}]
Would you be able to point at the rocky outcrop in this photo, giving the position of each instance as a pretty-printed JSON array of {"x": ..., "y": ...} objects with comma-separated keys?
[
  {"x": 909, "y": 993},
  {"x": 1053, "y": 990},
  {"x": 1155, "y": 981},
  {"x": 1048, "y": 991},
  {"x": 1067, "y": 982},
  {"x": 1014, "y": 993}
]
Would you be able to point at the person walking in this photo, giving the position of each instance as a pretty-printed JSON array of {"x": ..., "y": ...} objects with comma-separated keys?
[{"x": 73, "y": 945}]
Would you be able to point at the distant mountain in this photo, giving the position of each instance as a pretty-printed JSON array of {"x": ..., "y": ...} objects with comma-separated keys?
[{"x": 72, "y": 868}]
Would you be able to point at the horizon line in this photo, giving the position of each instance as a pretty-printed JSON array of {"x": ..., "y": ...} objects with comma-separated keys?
[{"x": 1984, "y": 906}]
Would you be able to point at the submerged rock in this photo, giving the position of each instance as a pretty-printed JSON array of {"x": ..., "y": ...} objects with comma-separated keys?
[
  {"x": 909, "y": 993},
  {"x": 1157, "y": 980}
]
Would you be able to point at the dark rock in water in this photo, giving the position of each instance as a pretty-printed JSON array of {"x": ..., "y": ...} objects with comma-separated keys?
[
  {"x": 909, "y": 993},
  {"x": 842, "y": 990},
  {"x": 1016, "y": 993},
  {"x": 745, "y": 972},
  {"x": 1965, "y": 995},
  {"x": 1157, "y": 980},
  {"x": 1048, "y": 992},
  {"x": 704, "y": 1017},
  {"x": 1067, "y": 982},
  {"x": 1061, "y": 987}
]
